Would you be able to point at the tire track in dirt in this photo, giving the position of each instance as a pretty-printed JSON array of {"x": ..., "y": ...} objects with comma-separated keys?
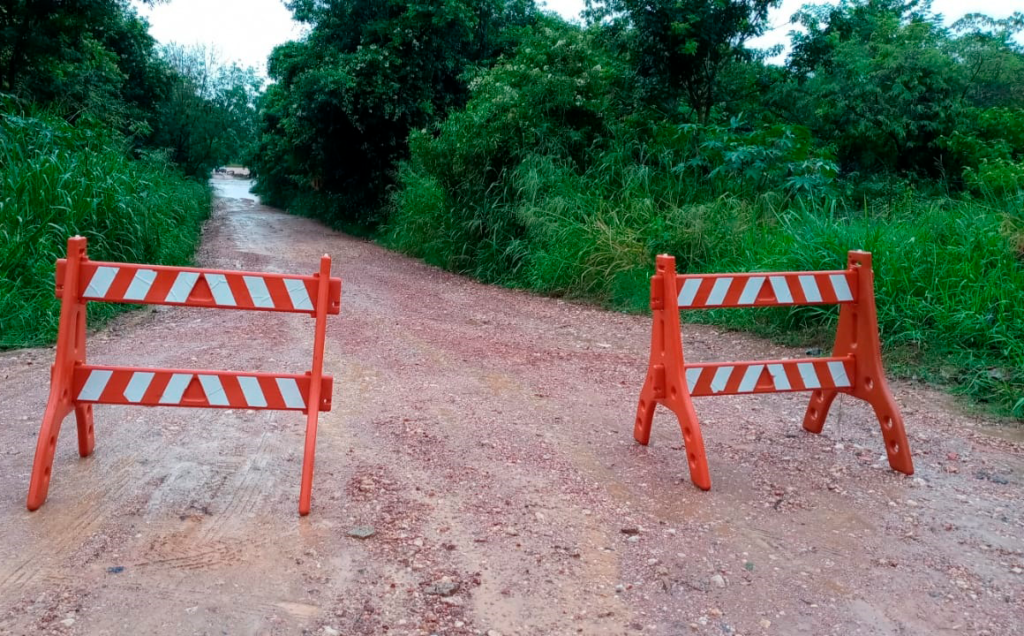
[
  {"x": 89, "y": 513},
  {"x": 244, "y": 497}
]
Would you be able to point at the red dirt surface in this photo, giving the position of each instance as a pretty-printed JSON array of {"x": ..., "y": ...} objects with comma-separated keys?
[{"x": 486, "y": 436}]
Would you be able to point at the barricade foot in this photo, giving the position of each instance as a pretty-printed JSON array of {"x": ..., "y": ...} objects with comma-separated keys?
[
  {"x": 817, "y": 410},
  {"x": 897, "y": 447},
  {"x": 309, "y": 457},
  {"x": 645, "y": 413},
  {"x": 693, "y": 442},
  {"x": 86, "y": 434},
  {"x": 42, "y": 467}
]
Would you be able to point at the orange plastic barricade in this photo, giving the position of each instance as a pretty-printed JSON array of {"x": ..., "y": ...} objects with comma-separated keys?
[
  {"x": 76, "y": 386},
  {"x": 855, "y": 366}
]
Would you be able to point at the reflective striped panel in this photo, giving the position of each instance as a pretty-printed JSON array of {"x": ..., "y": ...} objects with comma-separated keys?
[
  {"x": 750, "y": 290},
  {"x": 777, "y": 376},
  {"x": 94, "y": 385},
  {"x": 98, "y": 284},
  {"x": 202, "y": 389},
  {"x": 156, "y": 285},
  {"x": 141, "y": 284},
  {"x": 252, "y": 391},
  {"x": 136, "y": 388}
]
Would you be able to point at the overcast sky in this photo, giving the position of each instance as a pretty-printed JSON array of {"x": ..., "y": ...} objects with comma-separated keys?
[{"x": 247, "y": 30}]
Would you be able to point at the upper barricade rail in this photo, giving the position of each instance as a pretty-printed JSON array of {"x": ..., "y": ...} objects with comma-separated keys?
[
  {"x": 766, "y": 289},
  {"x": 199, "y": 287}
]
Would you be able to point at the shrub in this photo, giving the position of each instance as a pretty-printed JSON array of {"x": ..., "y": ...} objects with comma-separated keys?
[{"x": 61, "y": 180}]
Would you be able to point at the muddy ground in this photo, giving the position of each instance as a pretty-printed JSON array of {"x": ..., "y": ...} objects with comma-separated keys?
[{"x": 486, "y": 437}]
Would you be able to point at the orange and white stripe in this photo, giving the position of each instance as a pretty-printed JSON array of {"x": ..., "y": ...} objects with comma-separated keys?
[
  {"x": 737, "y": 378},
  {"x": 203, "y": 389},
  {"x": 765, "y": 290},
  {"x": 156, "y": 285}
]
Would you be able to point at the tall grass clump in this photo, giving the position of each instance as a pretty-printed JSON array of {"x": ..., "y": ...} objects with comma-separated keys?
[
  {"x": 58, "y": 180},
  {"x": 543, "y": 183}
]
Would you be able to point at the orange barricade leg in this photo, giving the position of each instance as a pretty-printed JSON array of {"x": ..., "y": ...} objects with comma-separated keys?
[
  {"x": 857, "y": 337},
  {"x": 313, "y": 407},
  {"x": 86, "y": 434},
  {"x": 645, "y": 410},
  {"x": 83, "y": 412},
  {"x": 70, "y": 352},
  {"x": 817, "y": 410},
  {"x": 665, "y": 383}
]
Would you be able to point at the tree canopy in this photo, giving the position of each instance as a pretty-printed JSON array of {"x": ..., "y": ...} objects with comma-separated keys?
[{"x": 97, "y": 59}]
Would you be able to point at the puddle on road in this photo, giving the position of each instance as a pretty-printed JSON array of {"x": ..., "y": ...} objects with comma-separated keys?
[{"x": 234, "y": 189}]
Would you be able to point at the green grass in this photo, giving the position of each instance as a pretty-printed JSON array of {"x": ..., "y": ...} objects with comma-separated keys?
[
  {"x": 949, "y": 272},
  {"x": 59, "y": 180}
]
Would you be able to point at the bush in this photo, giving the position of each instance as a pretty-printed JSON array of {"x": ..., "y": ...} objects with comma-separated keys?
[
  {"x": 551, "y": 181},
  {"x": 60, "y": 180}
]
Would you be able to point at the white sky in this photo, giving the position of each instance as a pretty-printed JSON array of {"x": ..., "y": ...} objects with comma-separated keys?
[{"x": 247, "y": 30}]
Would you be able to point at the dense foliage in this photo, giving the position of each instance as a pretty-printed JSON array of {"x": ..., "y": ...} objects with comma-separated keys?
[
  {"x": 490, "y": 139},
  {"x": 99, "y": 131},
  {"x": 96, "y": 57},
  {"x": 208, "y": 116},
  {"x": 59, "y": 180},
  {"x": 337, "y": 118}
]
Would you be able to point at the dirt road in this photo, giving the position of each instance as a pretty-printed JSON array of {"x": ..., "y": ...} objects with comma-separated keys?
[{"x": 486, "y": 436}]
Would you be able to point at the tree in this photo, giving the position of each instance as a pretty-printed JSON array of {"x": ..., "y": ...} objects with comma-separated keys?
[
  {"x": 88, "y": 56},
  {"x": 992, "y": 58},
  {"x": 337, "y": 119},
  {"x": 681, "y": 46},
  {"x": 209, "y": 115},
  {"x": 894, "y": 90}
]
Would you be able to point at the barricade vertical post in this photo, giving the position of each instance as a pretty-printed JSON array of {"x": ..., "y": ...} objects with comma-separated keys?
[
  {"x": 70, "y": 352},
  {"x": 665, "y": 382},
  {"x": 857, "y": 336},
  {"x": 313, "y": 412}
]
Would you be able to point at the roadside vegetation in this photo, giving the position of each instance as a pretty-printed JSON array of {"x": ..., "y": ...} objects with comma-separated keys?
[
  {"x": 106, "y": 135},
  {"x": 496, "y": 140}
]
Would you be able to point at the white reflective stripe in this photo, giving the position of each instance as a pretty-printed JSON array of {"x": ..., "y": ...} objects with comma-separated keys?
[
  {"x": 214, "y": 390},
  {"x": 259, "y": 292},
  {"x": 221, "y": 291},
  {"x": 842, "y": 287},
  {"x": 290, "y": 392},
  {"x": 721, "y": 379},
  {"x": 689, "y": 291},
  {"x": 692, "y": 375},
  {"x": 838, "y": 371},
  {"x": 94, "y": 385},
  {"x": 808, "y": 375},
  {"x": 182, "y": 287},
  {"x": 101, "y": 281},
  {"x": 176, "y": 388},
  {"x": 781, "y": 288},
  {"x": 141, "y": 283},
  {"x": 719, "y": 291},
  {"x": 779, "y": 377},
  {"x": 811, "y": 291},
  {"x": 299, "y": 295},
  {"x": 136, "y": 389},
  {"x": 750, "y": 377},
  {"x": 253, "y": 392},
  {"x": 751, "y": 290}
]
